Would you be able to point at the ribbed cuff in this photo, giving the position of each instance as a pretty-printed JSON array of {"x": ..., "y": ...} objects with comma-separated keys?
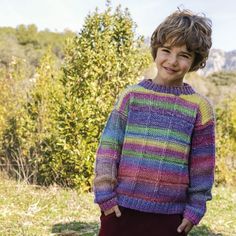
[
  {"x": 108, "y": 204},
  {"x": 192, "y": 217}
]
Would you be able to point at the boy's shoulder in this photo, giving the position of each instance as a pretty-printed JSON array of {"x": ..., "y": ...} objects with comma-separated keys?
[
  {"x": 204, "y": 105},
  {"x": 205, "y": 108},
  {"x": 198, "y": 98},
  {"x": 202, "y": 100}
]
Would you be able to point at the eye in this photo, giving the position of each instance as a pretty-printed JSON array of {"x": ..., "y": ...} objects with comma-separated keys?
[
  {"x": 185, "y": 56},
  {"x": 165, "y": 50}
]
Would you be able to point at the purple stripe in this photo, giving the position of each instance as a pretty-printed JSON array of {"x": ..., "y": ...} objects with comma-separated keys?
[
  {"x": 144, "y": 189},
  {"x": 159, "y": 110},
  {"x": 162, "y": 121},
  {"x": 203, "y": 140},
  {"x": 153, "y": 165}
]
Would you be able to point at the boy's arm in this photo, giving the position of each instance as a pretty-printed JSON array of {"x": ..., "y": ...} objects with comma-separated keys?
[
  {"x": 201, "y": 164},
  {"x": 108, "y": 155}
]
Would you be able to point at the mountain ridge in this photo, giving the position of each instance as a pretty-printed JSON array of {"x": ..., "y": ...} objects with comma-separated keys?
[{"x": 219, "y": 60}]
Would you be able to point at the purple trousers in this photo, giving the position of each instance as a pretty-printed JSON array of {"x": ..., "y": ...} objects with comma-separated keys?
[{"x": 136, "y": 223}]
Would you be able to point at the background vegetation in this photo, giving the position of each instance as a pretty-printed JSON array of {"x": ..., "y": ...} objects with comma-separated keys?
[{"x": 57, "y": 90}]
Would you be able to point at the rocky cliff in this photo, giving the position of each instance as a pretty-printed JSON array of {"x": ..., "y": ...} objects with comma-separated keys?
[{"x": 219, "y": 60}]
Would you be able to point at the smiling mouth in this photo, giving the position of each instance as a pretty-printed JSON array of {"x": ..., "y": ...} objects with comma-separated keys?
[{"x": 170, "y": 70}]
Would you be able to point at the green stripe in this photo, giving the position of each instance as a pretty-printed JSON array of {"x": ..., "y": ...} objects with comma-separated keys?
[
  {"x": 109, "y": 142},
  {"x": 166, "y": 105},
  {"x": 154, "y": 131},
  {"x": 154, "y": 157}
]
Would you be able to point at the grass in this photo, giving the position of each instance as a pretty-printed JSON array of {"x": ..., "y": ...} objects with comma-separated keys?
[{"x": 27, "y": 210}]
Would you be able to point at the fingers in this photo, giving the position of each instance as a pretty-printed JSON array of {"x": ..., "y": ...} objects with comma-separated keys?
[
  {"x": 108, "y": 212},
  {"x": 117, "y": 211},
  {"x": 113, "y": 209},
  {"x": 181, "y": 227},
  {"x": 185, "y": 226},
  {"x": 188, "y": 228}
]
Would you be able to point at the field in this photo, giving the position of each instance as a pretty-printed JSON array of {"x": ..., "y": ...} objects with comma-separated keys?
[{"x": 27, "y": 210}]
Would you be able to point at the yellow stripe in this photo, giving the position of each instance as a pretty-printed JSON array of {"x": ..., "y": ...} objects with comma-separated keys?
[
  {"x": 157, "y": 143},
  {"x": 205, "y": 107},
  {"x": 146, "y": 91}
]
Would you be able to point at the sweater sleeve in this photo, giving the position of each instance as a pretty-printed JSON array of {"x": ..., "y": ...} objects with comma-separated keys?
[
  {"x": 108, "y": 154},
  {"x": 201, "y": 163}
]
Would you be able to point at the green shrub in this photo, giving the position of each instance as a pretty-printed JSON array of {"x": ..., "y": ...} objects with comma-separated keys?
[
  {"x": 103, "y": 59},
  {"x": 58, "y": 127},
  {"x": 226, "y": 142}
]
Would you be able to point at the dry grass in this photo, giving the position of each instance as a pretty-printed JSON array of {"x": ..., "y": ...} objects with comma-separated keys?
[
  {"x": 33, "y": 210},
  {"x": 27, "y": 210}
]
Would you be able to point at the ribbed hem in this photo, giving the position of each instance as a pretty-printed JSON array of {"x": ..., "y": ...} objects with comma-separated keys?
[
  {"x": 178, "y": 90},
  {"x": 108, "y": 204},
  {"x": 149, "y": 206}
]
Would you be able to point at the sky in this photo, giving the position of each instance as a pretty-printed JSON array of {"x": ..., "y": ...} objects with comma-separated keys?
[{"x": 58, "y": 15}]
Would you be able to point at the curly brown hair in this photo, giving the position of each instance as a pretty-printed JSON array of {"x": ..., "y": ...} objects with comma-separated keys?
[{"x": 183, "y": 27}]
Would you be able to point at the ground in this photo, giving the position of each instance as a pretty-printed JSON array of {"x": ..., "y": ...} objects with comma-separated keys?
[{"x": 28, "y": 210}]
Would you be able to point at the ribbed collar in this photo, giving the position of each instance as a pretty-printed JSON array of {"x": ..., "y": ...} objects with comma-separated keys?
[{"x": 178, "y": 90}]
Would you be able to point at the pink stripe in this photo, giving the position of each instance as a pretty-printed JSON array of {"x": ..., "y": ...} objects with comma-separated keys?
[
  {"x": 124, "y": 103},
  {"x": 153, "y": 175},
  {"x": 107, "y": 152},
  {"x": 203, "y": 161},
  {"x": 205, "y": 140}
]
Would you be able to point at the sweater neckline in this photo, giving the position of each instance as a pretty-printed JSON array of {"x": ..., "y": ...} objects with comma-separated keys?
[{"x": 176, "y": 90}]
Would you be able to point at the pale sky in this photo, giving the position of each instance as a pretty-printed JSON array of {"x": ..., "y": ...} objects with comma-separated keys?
[{"x": 57, "y": 15}]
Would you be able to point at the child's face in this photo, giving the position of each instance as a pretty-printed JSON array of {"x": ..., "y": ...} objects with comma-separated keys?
[{"x": 172, "y": 62}]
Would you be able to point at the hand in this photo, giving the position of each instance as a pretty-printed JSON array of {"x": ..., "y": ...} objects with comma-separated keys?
[
  {"x": 113, "y": 209},
  {"x": 185, "y": 226}
]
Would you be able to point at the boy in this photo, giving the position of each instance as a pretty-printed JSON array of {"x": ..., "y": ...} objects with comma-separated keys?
[{"x": 155, "y": 162}]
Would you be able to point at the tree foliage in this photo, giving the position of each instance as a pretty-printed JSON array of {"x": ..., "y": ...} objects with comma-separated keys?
[
  {"x": 28, "y": 44},
  {"x": 103, "y": 59},
  {"x": 29, "y": 126},
  {"x": 226, "y": 142},
  {"x": 57, "y": 129}
]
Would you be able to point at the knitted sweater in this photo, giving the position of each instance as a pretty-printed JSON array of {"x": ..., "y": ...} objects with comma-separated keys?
[{"x": 157, "y": 152}]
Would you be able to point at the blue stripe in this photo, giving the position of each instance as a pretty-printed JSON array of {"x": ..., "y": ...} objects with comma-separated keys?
[{"x": 154, "y": 165}]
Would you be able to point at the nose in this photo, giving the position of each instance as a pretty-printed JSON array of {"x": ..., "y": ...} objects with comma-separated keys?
[{"x": 172, "y": 60}]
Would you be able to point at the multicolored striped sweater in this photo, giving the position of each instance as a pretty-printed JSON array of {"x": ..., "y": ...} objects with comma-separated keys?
[{"x": 157, "y": 152}]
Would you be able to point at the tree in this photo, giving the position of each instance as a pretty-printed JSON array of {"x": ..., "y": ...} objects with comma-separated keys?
[
  {"x": 27, "y": 34},
  {"x": 58, "y": 127},
  {"x": 226, "y": 141},
  {"x": 25, "y": 139},
  {"x": 104, "y": 58}
]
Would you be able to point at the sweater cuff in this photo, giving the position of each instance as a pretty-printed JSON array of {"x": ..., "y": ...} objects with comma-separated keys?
[
  {"x": 108, "y": 204},
  {"x": 189, "y": 215}
]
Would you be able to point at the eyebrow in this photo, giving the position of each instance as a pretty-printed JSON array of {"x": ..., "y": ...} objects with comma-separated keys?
[{"x": 184, "y": 52}]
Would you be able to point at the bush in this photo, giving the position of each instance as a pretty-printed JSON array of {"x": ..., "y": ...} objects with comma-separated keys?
[
  {"x": 57, "y": 130},
  {"x": 226, "y": 142},
  {"x": 103, "y": 59}
]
